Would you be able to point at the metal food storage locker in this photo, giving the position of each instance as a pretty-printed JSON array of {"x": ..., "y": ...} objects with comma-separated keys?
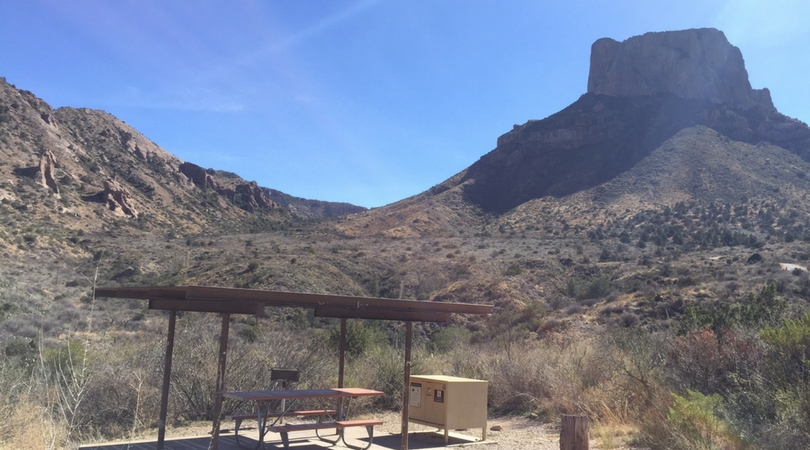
[{"x": 449, "y": 403}]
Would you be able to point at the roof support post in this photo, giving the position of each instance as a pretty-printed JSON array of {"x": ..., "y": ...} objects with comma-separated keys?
[
  {"x": 220, "y": 387},
  {"x": 406, "y": 386},
  {"x": 167, "y": 375},
  {"x": 342, "y": 367}
]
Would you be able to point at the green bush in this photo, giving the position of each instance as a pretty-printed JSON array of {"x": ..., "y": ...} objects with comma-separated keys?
[
  {"x": 512, "y": 270},
  {"x": 448, "y": 338},
  {"x": 789, "y": 345},
  {"x": 360, "y": 338},
  {"x": 755, "y": 310},
  {"x": 700, "y": 423},
  {"x": 592, "y": 288}
]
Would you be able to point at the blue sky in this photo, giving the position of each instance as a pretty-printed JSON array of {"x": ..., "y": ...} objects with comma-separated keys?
[{"x": 367, "y": 101}]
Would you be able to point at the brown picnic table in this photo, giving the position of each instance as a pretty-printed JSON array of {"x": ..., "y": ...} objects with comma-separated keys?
[{"x": 326, "y": 418}]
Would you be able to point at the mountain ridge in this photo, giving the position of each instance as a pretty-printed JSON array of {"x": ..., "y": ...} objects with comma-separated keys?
[{"x": 93, "y": 165}]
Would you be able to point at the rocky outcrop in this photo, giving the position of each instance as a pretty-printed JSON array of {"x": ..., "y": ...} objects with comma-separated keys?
[
  {"x": 693, "y": 64},
  {"x": 251, "y": 197},
  {"x": 197, "y": 175},
  {"x": 115, "y": 197},
  {"x": 43, "y": 173},
  {"x": 248, "y": 195}
]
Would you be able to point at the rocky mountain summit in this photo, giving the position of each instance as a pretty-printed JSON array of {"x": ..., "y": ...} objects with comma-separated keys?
[
  {"x": 695, "y": 64},
  {"x": 641, "y": 93}
]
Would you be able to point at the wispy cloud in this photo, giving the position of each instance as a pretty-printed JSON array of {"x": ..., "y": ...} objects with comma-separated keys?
[{"x": 319, "y": 27}]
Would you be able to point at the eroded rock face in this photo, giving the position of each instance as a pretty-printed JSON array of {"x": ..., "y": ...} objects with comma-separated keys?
[
  {"x": 197, "y": 175},
  {"x": 115, "y": 197},
  {"x": 43, "y": 173},
  {"x": 695, "y": 64},
  {"x": 47, "y": 169},
  {"x": 248, "y": 195},
  {"x": 253, "y": 196},
  {"x": 118, "y": 198}
]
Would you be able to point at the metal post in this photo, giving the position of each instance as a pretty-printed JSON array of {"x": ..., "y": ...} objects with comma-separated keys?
[
  {"x": 220, "y": 387},
  {"x": 406, "y": 387},
  {"x": 341, "y": 368},
  {"x": 167, "y": 374},
  {"x": 342, "y": 352}
]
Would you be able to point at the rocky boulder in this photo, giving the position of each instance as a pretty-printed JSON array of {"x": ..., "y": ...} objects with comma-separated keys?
[{"x": 692, "y": 64}]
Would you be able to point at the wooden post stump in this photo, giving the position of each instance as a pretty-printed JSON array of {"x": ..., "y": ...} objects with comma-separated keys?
[{"x": 574, "y": 433}]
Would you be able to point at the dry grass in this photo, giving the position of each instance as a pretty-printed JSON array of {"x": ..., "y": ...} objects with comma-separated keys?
[{"x": 30, "y": 428}]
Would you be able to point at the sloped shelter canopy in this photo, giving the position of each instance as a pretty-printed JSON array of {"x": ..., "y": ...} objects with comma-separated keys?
[{"x": 227, "y": 301}]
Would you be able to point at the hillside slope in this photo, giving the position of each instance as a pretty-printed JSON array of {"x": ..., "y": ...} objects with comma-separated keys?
[{"x": 84, "y": 169}]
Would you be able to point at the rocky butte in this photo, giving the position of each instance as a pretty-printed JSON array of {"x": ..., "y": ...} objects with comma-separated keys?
[
  {"x": 641, "y": 92},
  {"x": 693, "y": 64}
]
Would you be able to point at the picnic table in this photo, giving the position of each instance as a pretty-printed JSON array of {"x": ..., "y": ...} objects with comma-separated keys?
[{"x": 326, "y": 418}]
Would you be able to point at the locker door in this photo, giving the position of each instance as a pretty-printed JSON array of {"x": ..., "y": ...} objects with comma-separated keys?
[{"x": 435, "y": 402}]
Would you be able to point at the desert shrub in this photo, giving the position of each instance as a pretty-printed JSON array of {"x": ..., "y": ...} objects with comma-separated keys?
[
  {"x": 360, "y": 337},
  {"x": 22, "y": 351},
  {"x": 512, "y": 270},
  {"x": 789, "y": 351},
  {"x": 67, "y": 363},
  {"x": 591, "y": 288},
  {"x": 640, "y": 358},
  {"x": 469, "y": 361},
  {"x": 709, "y": 362},
  {"x": 447, "y": 338},
  {"x": 514, "y": 323},
  {"x": 567, "y": 372},
  {"x": 382, "y": 368},
  {"x": 756, "y": 310},
  {"x": 698, "y": 422},
  {"x": 791, "y": 340}
]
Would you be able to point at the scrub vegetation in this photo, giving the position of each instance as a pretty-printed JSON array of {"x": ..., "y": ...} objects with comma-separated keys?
[{"x": 663, "y": 346}]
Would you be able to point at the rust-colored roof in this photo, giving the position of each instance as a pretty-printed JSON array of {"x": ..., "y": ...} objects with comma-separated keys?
[{"x": 253, "y": 301}]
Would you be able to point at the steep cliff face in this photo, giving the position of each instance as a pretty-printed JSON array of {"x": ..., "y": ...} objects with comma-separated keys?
[
  {"x": 694, "y": 64},
  {"x": 641, "y": 92}
]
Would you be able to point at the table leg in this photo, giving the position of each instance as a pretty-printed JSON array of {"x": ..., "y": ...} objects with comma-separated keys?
[{"x": 261, "y": 425}]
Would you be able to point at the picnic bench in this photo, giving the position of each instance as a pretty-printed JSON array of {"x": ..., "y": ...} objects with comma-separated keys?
[
  {"x": 261, "y": 418},
  {"x": 339, "y": 425}
]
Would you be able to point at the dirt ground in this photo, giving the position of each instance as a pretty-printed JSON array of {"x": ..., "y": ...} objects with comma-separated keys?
[
  {"x": 503, "y": 433},
  {"x": 512, "y": 433}
]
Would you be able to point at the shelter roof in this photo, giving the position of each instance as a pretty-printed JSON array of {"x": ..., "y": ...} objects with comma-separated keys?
[{"x": 253, "y": 301}]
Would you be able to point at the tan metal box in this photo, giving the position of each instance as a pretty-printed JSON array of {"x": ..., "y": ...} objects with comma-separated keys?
[{"x": 449, "y": 403}]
